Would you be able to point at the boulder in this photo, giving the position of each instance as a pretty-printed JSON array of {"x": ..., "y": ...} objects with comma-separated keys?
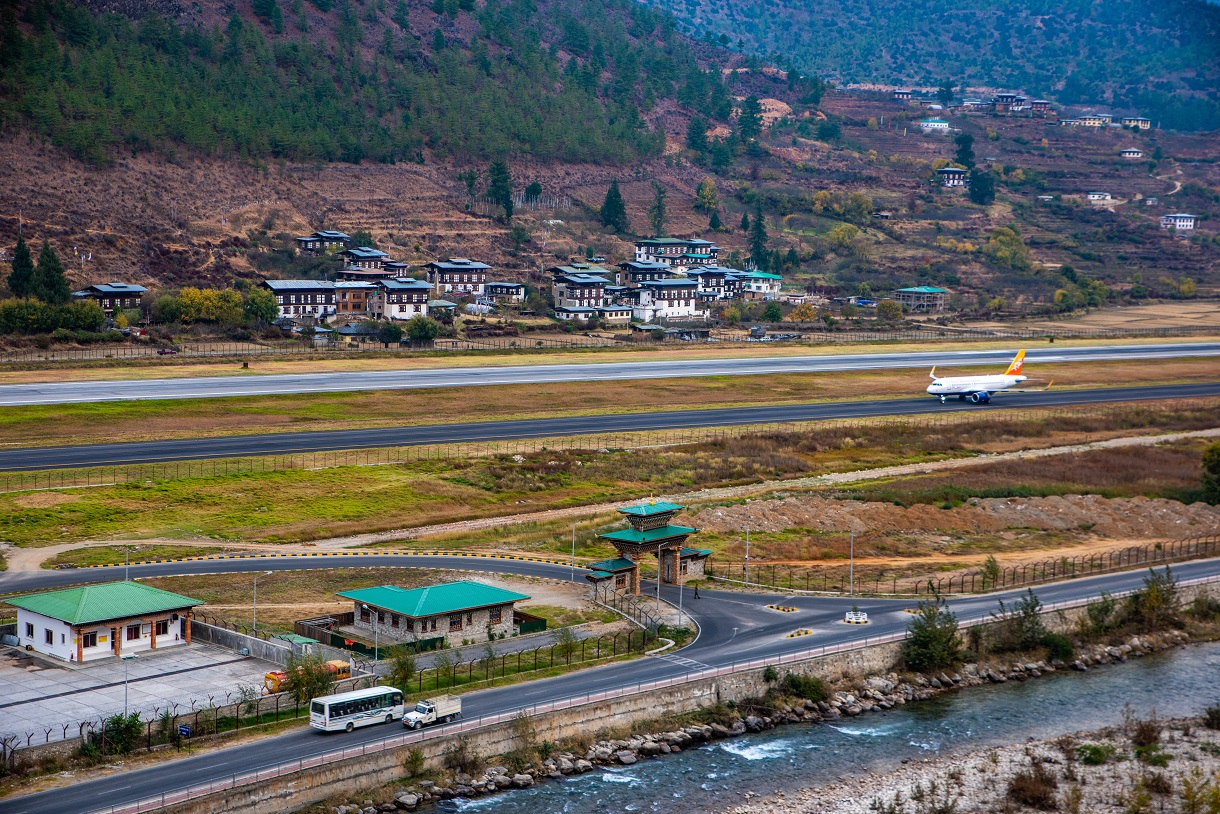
[
  {"x": 565, "y": 766},
  {"x": 878, "y": 684},
  {"x": 626, "y": 757},
  {"x": 738, "y": 728},
  {"x": 583, "y": 766},
  {"x": 406, "y": 801},
  {"x": 522, "y": 781},
  {"x": 754, "y": 723}
]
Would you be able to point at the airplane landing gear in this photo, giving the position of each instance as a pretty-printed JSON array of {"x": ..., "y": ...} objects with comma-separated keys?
[{"x": 942, "y": 399}]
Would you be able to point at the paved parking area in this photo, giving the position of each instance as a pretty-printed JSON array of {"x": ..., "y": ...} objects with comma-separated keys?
[{"x": 36, "y": 695}]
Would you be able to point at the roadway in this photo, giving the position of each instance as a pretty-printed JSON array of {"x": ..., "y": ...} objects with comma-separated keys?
[
  {"x": 734, "y": 627},
  {"x": 147, "y": 452},
  {"x": 280, "y": 384}
]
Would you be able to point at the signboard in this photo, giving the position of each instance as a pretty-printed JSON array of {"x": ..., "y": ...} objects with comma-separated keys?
[{"x": 184, "y": 730}]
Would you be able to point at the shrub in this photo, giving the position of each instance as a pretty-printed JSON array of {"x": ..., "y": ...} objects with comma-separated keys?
[
  {"x": 1095, "y": 754},
  {"x": 1058, "y": 648},
  {"x": 932, "y": 639},
  {"x": 413, "y": 763},
  {"x": 1211, "y": 717},
  {"x": 1155, "y": 606},
  {"x": 1020, "y": 626},
  {"x": 810, "y": 687},
  {"x": 770, "y": 675},
  {"x": 462, "y": 757},
  {"x": 1034, "y": 787}
]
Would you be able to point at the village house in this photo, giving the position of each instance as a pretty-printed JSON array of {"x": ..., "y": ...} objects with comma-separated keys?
[
  {"x": 352, "y": 297},
  {"x": 1132, "y": 153},
  {"x": 674, "y": 299},
  {"x": 1069, "y": 123},
  {"x": 754, "y": 285},
  {"x": 672, "y": 251},
  {"x": 934, "y": 126},
  {"x": 1179, "y": 222},
  {"x": 400, "y": 298},
  {"x": 355, "y": 333},
  {"x": 634, "y": 272},
  {"x": 362, "y": 257},
  {"x": 1095, "y": 120},
  {"x": 502, "y": 293},
  {"x": 1136, "y": 122},
  {"x": 303, "y": 298},
  {"x": 321, "y": 241},
  {"x": 372, "y": 275},
  {"x": 952, "y": 176},
  {"x": 904, "y": 95},
  {"x": 617, "y": 314},
  {"x": 578, "y": 286},
  {"x": 96, "y": 621},
  {"x": 1098, "y": 197},
  {"x": 1041, "y": 107},
  {"x": 922, "y": 298},
  {"x": 457, "y": 612},
  {"x": 111, "y": 297},
  {"x": 575, "y": 313},
  {"x": 458, "y": 275},
  {"x": 710, "y": 280}
]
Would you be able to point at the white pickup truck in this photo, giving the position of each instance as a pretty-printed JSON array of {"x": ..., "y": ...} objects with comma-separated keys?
[{"x": 441, "y": 709}]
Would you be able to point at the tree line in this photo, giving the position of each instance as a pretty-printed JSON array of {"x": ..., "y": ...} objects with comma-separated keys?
[{"x": 102, "y": 84}]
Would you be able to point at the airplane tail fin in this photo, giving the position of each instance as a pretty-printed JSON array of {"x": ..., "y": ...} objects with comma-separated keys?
[
  {"x": 1018, "y": 362},
  {"x": 932, "y": 375}
]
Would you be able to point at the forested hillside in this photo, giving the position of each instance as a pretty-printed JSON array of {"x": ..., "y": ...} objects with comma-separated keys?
[
  {"x": 1159, "y": 58},
  {"x": 352, "y": 80}
]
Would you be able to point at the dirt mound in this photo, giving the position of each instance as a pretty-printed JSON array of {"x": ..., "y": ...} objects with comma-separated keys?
[{"x": 1133, "y": 518}]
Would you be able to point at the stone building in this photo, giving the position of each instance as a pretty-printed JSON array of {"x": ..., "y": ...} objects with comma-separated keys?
[{"x": 459, "y": 612}]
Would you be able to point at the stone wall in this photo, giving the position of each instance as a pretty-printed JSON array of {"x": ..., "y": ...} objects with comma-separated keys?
[
  {"x": 275, "y": 652},
  {"x": 474, "y": 629}
]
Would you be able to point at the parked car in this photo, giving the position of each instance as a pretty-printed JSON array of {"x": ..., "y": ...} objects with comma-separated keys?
[{"x": 166, "y": 352}]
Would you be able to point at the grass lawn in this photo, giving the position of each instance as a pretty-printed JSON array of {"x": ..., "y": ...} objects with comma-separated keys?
[{"x": 107, "y": 422}]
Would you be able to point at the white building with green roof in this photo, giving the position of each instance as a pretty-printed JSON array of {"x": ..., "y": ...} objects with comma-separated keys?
[
  {"x": 97, "y": 621},
  {"x": 459, "y": 612}
]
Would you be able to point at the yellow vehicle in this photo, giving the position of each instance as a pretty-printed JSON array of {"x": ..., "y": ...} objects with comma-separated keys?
[{"x": 275, "y": 680}]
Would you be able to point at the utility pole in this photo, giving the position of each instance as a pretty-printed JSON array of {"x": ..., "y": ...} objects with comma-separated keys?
[
  {"x": 573, "y": 552},
  {"x": 658, "y": 585},
  {"x": 747, "y": 556}
]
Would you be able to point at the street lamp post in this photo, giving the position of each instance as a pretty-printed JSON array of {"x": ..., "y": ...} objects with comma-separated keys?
[
  {"x": 256, "y": 576},
  {"x": 376, "y": 636},
  {"x": 658, "y": 585},
  {"x": 126, "y": 658},
  {"x": 747, "y": 557},
  {"x": 851, "y": 565},
  {"x": 573, "y": 552}
]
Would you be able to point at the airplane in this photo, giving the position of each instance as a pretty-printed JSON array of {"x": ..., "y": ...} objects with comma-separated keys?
[{"x": 979, "y": 389}]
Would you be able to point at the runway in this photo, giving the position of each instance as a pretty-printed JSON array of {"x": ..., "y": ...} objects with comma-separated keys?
[
  {"x": 14, "y": 395},
  {"x": 71, "y": 457}
]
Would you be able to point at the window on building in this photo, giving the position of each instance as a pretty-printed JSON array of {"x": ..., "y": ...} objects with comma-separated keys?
[
  {"x": 364, "y": 614},
  {"x": 455, "y": 622},
  {"x": 48, "y": 636},
  {"x": 133, "y": 633},
  {"x": 89, "y": 639},
  {"x": 620, "y": 581},
  {"x": 433, "y": 624},
  {"x": 29, "y": 630},
  {"x": 470, "y": 618},
  {"x": 163, "y": 627},
  {"x": 495, "y": 616}
]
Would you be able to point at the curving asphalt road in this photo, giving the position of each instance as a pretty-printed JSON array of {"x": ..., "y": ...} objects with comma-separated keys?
[
  {"x": 69, "y": 457},
  {"x": 734, "y": 627},
  {"x": 254, "y": 385}
]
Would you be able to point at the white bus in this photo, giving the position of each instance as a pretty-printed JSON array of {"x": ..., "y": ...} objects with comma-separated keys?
[{"x": 348, "y": 710}]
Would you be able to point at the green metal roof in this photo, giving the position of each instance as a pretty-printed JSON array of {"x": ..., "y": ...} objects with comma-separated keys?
[
  {"x": 648, "y": 536},
  {"x": 617, "y": 564},
  {"x": 435, "y": 599},
  {"x": 101, "y": 603},
  {"x": 649, "y": 509},
  {"x": 925, "y": 289},
  {"x": 696, "y": 552}
]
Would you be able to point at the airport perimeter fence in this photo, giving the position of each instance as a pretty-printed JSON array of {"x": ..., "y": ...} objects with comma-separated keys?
[
  {"x": 244, "y": 709},
  {"x": 291, "y": 767},
  {"x": 834, "y": 580},
  {"x": 810, "y": 334},
  {"x": 402, "y": 455}
]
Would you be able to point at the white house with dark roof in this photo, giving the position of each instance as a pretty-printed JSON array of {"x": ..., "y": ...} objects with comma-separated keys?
[
  {"x": 111, "y": 297},
  {"x": 579, "y": 286},
  {"x": 400, "y": 298},
  {"x": 634, "y": 272},
  {"x": 674, "y": 251},
  {"x": 458, "y": 275},
  {"x": 1136, "y": 122},
  {"x": 322, "y": 240},
  {"x": 96, "y": 621},
  {"x": 504, "y": 293},
  {"x": 951, "y": 176},
  {"x": 1179, "y": 222},
  {"x": 673, "y": 299},
  {"x": 362, "y": 257},
  {"x": 753, "y": 285},
  {"x": 934, "y": 126},
  {"x": 1131, "y": 153},
  {"x": 303, "y": 298}
]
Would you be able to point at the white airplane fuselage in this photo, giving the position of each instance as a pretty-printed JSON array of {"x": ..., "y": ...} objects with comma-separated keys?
[{"x": 972, "y": 385}]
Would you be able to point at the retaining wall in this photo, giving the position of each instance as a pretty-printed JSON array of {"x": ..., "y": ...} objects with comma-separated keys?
[{"x": 274, "y": 652}]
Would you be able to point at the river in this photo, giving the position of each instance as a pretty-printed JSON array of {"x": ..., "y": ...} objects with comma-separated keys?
[{"x": 1177, "y": 683}]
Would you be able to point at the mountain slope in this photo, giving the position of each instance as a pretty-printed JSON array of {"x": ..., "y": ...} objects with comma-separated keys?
[
  {"x": 1159, "y": 58},
  {"x": 378, "y": 79}
]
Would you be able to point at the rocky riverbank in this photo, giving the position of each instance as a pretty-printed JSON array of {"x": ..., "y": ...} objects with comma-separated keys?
[
  {"x": 1146, "y": 765},
  {"x": 850, "y": 698}
]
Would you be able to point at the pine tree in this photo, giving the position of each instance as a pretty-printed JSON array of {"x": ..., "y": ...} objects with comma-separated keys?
[
  {"x": 965, "y": 150},
  {"x": 48, "y": 282},
  {"x": 749, "y": 120},
  {"x": 613, "y": 213},
  {"x": 22, "y": 276},
  {"x": 696, "y": 133},
  {"x": 656, "y": 212},
  {"x": 758, "y": 240},
  {"x": 714, "y": 224},
  {"x": 500, "y": 187},
  {"x": 745, "y": 221}
]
